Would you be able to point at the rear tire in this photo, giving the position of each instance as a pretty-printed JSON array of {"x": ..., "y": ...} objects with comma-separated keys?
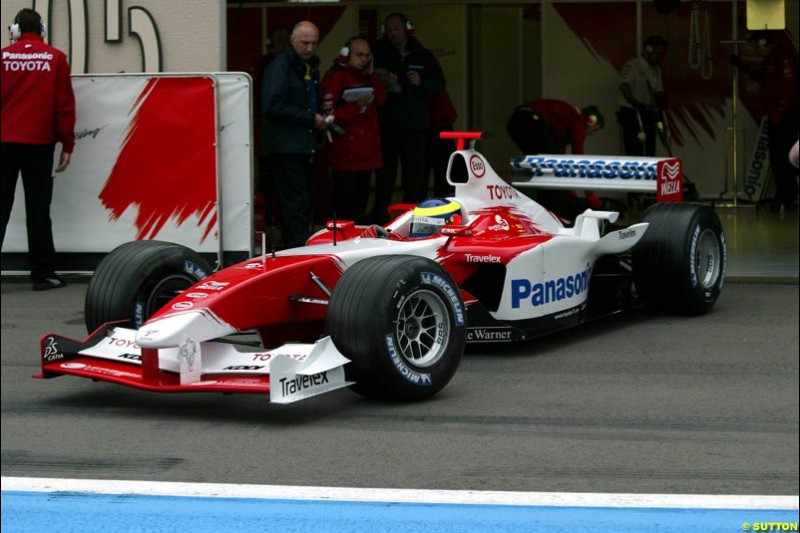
[
  {"x": 679, "y": 265},
  {"x": 137, "y": 278},
  {"x": 402, "y": 323}
]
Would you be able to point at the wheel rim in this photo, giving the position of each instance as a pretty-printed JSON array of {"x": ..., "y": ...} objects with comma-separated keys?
[
  {"x": 165, "y": 290},
  {"x": 423, "y": 328},
  {"x": 707, "y": 262}
]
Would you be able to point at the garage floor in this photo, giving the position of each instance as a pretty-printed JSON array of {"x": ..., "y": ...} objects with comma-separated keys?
[{"x": 761, "y": 244}]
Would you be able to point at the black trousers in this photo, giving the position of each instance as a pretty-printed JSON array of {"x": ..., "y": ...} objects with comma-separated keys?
[
  {"x": 629, "y": 122},
  {"x": 409, "y": 148},
  {"x": 439, "y": 151},
  {"x": 782, "y": 136},
  {"x": 294, "y": 177},
  {"x": 35, "y": 162},
  {"x": 350, "y": 195}
]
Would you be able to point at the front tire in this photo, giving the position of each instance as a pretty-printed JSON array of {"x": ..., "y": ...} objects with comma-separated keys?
[
  {"x": 679, "y": 265},
  {"x": 137, "y": 279},
  {"x": 402, "y": 323}
]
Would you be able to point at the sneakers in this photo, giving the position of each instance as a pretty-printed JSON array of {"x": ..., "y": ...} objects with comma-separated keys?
[{"x": 51, "y": 281}]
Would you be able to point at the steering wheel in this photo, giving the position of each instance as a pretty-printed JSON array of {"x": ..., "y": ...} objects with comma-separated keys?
[{"x": 375, "y": 231}]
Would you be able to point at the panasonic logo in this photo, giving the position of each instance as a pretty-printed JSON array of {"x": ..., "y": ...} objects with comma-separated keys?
[
  {"x": 549, "y": 291},
  {"x": 581, "y": 168}
]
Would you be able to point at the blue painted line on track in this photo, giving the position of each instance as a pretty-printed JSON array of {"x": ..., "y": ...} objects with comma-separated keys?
[{"x": 39, "y": 512}]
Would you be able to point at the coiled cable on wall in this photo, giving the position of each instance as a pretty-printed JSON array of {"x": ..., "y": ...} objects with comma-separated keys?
[{"x": 700, "y": 39}]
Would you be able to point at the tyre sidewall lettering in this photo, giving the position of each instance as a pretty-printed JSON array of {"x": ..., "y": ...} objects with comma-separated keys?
[
  {"x": 446, "y": 289},
  {"x": 414, "y": 377},
  {"x": 724, "y": 259},
  {"x": 693, "y": 255}
]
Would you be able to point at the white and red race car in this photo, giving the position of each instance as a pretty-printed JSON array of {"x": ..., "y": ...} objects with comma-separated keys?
[{"x": 372, "y": 308}]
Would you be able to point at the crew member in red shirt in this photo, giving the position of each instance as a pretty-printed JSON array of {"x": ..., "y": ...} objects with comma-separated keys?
[
  {"x": 351, "y": 96},
  {"x": 548, "y": 126},
  {"x": 38, "y": 110}
]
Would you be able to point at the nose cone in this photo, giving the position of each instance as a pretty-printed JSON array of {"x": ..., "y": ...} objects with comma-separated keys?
[{"x": 172, "y": 330}]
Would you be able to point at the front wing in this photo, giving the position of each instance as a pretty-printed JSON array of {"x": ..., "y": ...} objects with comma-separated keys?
[{"x": 288, "y": 373}]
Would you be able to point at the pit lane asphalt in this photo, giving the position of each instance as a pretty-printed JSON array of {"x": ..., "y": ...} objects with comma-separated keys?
[{"x": 636, "y": 403}]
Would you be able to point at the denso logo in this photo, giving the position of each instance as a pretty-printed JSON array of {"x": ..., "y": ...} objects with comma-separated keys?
[
  {"x": 213, "y": 285},
  {"x": 581, "y": 168},
  {"x": 549, "y": 291}
]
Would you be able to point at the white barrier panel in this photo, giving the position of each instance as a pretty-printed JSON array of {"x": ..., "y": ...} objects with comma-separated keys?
[{"x": 157, "y": 157}]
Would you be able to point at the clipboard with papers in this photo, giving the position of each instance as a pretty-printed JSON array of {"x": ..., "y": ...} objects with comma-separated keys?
[{"x": 352, "y": 94}]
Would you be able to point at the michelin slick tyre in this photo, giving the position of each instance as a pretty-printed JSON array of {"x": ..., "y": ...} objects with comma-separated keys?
[
  {"x": 402, "y": 323},
  {"x": 679, "y": 265},
  {"x": 137, "y": 279}
]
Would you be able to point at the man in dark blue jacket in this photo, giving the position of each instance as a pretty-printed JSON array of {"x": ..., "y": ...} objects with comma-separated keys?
[
  {"x": 412, "y": 75},
  {"x": 290, "y": 102}
]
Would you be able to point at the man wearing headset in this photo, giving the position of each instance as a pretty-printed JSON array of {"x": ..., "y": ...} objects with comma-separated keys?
[
  {"x": 642, "y": 98},
  {"x": 38, "y": 110},
  {"x": 351, "y": 96},
  {"x": 411, "y": 74}
]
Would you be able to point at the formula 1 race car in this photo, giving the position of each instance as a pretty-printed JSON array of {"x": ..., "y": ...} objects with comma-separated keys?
[{"x": 386, "y": 310}]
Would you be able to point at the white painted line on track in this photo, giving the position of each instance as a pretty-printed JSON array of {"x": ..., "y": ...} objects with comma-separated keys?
[{"x": 286, "y": 492}]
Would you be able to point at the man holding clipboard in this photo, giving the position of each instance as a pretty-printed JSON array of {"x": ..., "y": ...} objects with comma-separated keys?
[{"x": 351, "y": 96}]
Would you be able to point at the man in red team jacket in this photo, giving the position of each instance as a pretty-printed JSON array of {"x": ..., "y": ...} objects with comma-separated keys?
[
  {"x": 356, "y": 149},
  {"x": 38, "y": 110}
]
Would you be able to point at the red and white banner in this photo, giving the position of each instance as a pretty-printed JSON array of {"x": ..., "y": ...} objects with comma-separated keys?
[{"x": 148, "y": 164}]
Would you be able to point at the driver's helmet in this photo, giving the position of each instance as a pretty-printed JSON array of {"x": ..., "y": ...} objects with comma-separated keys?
[{"x": 430, "y": 215}]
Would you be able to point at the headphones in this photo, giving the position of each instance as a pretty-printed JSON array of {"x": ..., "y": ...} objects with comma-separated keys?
[
  {"x": 653, "y": 42},
  {"x": 591, "y": 120},
  {"x": 407, "y": 24},
  {"x": 761, "y": 42},
  {"x": 344, "y": 51},
  {"x": 16, "y": 32}
]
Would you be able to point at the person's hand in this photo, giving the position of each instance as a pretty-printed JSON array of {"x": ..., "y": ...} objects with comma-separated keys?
[
  {"x": 365, "y": 100},
  {"x": 413, "y": 78},
  {"x": 319, "y": 122},
  {"x": 63, "y": 161}
]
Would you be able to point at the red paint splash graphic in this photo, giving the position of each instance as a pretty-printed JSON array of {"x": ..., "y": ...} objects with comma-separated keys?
[
  {"x": 167, "y": 163},
  {"x": 608, "y": 30}
]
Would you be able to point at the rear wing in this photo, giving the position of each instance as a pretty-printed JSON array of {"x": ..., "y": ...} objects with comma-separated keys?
[{"x": 660, "y": 175}]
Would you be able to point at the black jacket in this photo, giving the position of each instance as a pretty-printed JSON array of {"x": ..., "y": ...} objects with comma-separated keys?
[
  {"x": 286, "y": 104},
  {"x": 408, "y": 109}
]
